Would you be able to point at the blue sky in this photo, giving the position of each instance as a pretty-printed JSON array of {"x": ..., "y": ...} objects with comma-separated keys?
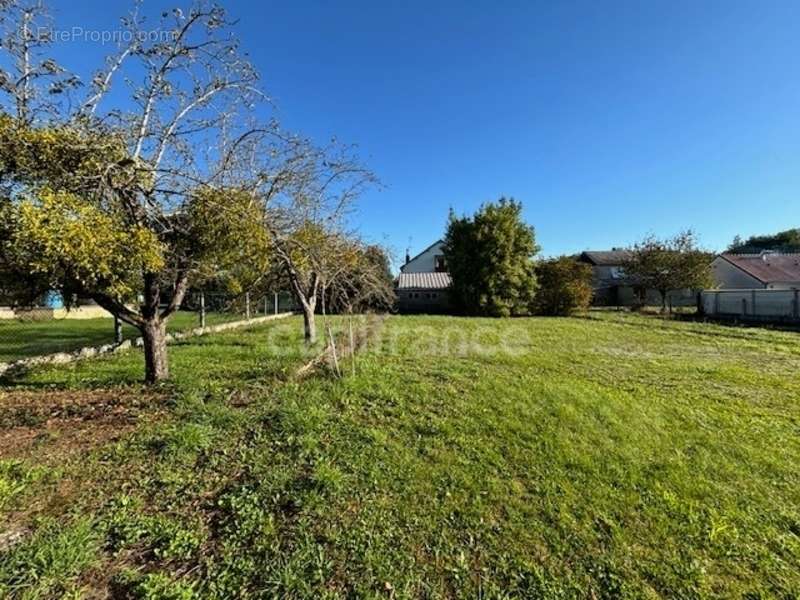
[{"x": 608, "y": 120}]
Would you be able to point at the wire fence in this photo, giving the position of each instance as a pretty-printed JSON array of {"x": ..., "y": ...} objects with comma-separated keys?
[{"x": 41, "y": 330}]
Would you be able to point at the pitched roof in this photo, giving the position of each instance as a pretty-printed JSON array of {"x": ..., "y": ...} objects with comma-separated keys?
[
  {"x": 606, "y": 258},
  {"x": 768, "y": 267},
  {"x": 410, "y": 260},
  {"x": 423, "y": 281}
]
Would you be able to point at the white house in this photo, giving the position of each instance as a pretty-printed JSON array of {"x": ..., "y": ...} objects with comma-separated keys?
[
  {"x": 430, "y": 260},
  {"x": 423, "y": 283},
  {"x": 768, "y": 270}
]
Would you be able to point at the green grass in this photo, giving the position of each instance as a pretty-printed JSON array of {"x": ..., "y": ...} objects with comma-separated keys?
[
  {"x": 26, "y": 338},
  {"x": 611, "y": 456}
]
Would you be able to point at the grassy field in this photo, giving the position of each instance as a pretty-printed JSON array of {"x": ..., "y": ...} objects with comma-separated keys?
[
  {"x": 603, "y": 457},
  {"x": 25, "y": 338}
]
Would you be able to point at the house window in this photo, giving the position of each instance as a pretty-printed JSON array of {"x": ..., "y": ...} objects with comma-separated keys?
[
  {"x": 617, "y": 273},
  {"x": 440, "y": 266}
]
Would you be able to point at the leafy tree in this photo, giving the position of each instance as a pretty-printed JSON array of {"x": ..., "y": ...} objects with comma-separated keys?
[
  {"x": 129, "y": 203},
  {"x": 565, "y": 286},
  {"x": 669, "y": 264},
  {"x": 490, "y": 257},
  {"x": 783, "y": 241}
]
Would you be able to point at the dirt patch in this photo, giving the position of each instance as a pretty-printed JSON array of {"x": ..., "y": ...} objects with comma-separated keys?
[{"x": 54, "y": 424}]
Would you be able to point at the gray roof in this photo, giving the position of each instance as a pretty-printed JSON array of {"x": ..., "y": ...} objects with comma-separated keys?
[
  {"x": 767, "y": 267},
  {"x": 606, "y": 258},
  {"x": 423, "y": 281}
]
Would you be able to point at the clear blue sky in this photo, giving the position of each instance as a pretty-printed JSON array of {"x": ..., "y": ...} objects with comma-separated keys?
[{"x": 608, "y": 120}]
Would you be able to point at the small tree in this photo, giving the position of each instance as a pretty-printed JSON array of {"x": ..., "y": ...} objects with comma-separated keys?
[
  {"x": 565, "y": 286},
  {"x": 670, "y": 264},
  {"x": 307, "y": 202},
  {"x": 490, "y": 257},
  {"x": 366, "y": 284}
]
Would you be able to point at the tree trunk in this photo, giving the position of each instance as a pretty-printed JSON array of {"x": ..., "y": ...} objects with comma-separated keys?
[
  {"x": 154, "y": 338},
  {"x": 309, "y": 326}
]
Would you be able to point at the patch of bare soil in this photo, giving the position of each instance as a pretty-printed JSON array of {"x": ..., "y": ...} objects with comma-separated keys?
[{"x": 52, "y": 425}]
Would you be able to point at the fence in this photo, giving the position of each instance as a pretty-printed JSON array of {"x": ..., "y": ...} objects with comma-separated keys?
[
  {"x": 756, "y": 305},
  {"x": 43, "y": 330}
]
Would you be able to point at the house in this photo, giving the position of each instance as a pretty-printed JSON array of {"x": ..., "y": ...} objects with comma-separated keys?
[
  {"x": 423, "y": 284},
  {"x": 767, "y": 270},
  {"x": 430, "y": 260},
  {"x": 613, "y": 288}
]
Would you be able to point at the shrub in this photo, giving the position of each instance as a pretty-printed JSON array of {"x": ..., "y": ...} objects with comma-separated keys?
[{"x": 565, "y": 286}]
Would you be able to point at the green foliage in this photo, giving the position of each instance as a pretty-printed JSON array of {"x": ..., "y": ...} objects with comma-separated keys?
[
  {"x": 783, "y": 241},
  {"x": 224, "y": 234},
  {"x": 63, "y": 157},
  {"x": 154, "y": 586},
  {"x": 72, "y": 242},
  {"x": 15, "y": 477},
  {"x": 670, "y": 264},
  {"x": 565, "y": 286},
  {"x": 490, "y": 257},
  {"x": 48, "y": 564}
]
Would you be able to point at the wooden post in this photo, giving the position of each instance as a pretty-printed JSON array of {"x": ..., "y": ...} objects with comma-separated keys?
[
  {"x": 117, "y": 330},
  {"x": 352, "y": 347},
  {"x": 247, "y": 305},
  {"x": 333, "y": 350},
  {"x": 266, "y": 305},
  {"x": 276, "y": 303},
  {"x": 202, "y": 310}
]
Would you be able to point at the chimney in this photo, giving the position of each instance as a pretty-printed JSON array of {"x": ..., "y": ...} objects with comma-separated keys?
[{"x": 408, "y": 257}]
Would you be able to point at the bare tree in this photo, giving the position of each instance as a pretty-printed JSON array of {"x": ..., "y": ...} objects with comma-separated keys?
[
  {"x": 308, "y": 201},
  {"x": 29, "y": 68}
]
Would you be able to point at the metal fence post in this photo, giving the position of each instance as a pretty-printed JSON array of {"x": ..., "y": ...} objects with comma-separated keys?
[
  {"x": 117, "y": 330},
  {"x": 753, "y": 303},
  {"x": 247, "y": 305},
  {"x": 276, "y": 303},
  {"x": 796, "y": 305},
  {"x": 266, "y": 304},
  {"x": 202, "y": 310}
]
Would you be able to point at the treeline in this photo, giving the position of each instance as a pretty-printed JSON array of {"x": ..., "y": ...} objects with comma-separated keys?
[
  {"x": 784, "y": 241},
  {"x": 492, "y": 259}
]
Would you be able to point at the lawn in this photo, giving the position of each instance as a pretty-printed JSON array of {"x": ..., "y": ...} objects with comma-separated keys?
[
  {"x": 25, "y": 338},
  {"x": 608, "y": 456}
]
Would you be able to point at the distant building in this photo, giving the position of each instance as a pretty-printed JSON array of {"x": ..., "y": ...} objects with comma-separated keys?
[
  {"x": 612, "y": 287},
  {"x": 423, "y": 284},
  {"x": 767, "y": 270}
]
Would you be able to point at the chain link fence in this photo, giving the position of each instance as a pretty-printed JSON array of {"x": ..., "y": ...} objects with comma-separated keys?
[{"x": 36, "y": 331}]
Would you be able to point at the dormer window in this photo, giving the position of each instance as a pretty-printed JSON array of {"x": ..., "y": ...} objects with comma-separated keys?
[{"x": 439, "y": 264}]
